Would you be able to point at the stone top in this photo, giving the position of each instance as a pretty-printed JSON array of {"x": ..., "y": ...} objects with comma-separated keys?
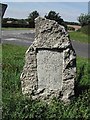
[{"x": 49, "y": 34}]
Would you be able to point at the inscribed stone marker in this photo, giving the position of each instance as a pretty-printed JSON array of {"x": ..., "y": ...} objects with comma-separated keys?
[{"x": 50, "y": 63}]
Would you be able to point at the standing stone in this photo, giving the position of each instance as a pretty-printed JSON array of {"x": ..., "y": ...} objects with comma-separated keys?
[
  {"x": 0, "y": 67},
  {"x": 0, "y": 19},
  {"x": 50, "y": 63},
  {"x": 2, "y": 11}
]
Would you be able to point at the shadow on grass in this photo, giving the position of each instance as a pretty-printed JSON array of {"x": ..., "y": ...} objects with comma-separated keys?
[{"x": 79, "y": 89}]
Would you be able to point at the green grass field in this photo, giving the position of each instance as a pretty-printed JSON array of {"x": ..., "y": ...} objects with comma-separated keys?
[
  {"x": 17, "y": 28},
  {"x": 18, "y": 107},
  {"x": 79, "y": 36}
]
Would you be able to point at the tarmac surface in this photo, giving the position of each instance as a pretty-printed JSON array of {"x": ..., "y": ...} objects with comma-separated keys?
[{"x": 26, "y": 37}]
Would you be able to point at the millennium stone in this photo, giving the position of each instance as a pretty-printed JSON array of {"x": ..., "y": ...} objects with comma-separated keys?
[{"x": 50, "y": 63}]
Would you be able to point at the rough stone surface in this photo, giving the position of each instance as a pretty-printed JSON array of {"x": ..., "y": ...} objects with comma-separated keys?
[{"x": 50, "y": 63}]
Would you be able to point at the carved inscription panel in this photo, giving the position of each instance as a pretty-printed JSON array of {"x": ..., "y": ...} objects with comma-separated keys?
[{"x": 49, "y": 69}]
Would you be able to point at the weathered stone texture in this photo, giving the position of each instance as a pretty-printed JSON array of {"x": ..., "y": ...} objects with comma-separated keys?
[{"x": 50, "y": 63}]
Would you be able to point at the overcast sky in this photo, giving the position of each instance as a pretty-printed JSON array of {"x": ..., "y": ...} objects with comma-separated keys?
[{"x": 69, "y": 11}]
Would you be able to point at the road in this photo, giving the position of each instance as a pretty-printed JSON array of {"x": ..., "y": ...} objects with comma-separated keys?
[{"x": 26, "y": 37}]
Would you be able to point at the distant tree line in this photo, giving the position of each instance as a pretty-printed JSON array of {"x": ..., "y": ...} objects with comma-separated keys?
[
  {"x": 30, "y": 21},
  {"x": 52, "y": 15},
  {"x": 12, "y": 22},
  {"x": 72, "y": 23}
]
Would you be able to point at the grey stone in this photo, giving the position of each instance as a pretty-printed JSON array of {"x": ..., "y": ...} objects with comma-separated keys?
[
  {"x": 50, "y": 63},
  {"x": 2, "y": 10},
  {"x": 0, "y": 19},
  {"x": 49, "y": 70}
]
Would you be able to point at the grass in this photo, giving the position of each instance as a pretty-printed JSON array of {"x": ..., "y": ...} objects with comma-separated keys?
[
  {"x": 79, "y": 36},
  {"x": 17, "y": 28},
  {"x": 18, "y": 107}
]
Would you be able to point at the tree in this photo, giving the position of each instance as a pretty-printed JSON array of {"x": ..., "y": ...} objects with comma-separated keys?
[
  {"x": 84, "y": 19},
  {"x": 52, "y": 15},
  {"x": 32, "y": 17}
]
